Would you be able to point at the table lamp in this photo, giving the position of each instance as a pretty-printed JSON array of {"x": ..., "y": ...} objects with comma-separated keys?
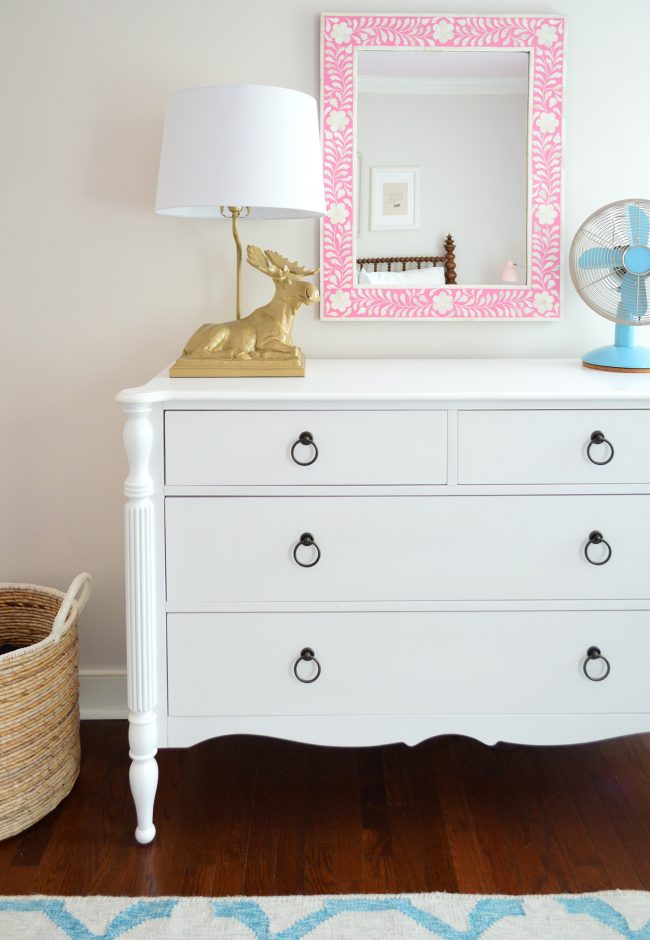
[{"x": 238, "y": 151}]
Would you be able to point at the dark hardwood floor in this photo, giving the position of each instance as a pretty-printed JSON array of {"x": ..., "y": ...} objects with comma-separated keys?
[{"x": 255, "y": 816}]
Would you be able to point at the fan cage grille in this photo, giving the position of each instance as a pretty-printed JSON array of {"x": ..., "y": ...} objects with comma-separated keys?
[{"x": 600, "y": 287}]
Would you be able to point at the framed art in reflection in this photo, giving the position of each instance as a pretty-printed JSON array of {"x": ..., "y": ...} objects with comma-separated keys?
[{"x": 394, "y": 193}]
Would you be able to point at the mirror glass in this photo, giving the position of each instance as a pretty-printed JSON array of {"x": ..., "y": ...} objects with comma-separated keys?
[{"x": 442, "y": 147}]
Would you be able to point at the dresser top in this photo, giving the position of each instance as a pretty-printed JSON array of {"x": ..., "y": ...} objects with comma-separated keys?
[{"x": 404, "y": 380}]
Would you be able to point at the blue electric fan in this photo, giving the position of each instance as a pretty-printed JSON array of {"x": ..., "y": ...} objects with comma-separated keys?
[{"x": 610, "y": 264}]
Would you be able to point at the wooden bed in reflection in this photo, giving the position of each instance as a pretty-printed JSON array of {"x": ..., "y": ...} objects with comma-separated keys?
[{"x": 448, "y": 260}]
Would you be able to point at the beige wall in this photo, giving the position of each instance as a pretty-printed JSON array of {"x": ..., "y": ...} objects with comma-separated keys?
[{"x": 97, "y": 292}]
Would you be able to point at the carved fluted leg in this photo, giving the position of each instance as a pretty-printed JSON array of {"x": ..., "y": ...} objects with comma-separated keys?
[{"x": 141, "y": 617}]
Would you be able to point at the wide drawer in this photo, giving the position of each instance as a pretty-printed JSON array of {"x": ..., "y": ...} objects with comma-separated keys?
[
  {"x": 553, "y": 447},
  {"x": 406, "y": 663},
  {"x": 251, "y": 549},
  {"x": 265, "y": 448}
]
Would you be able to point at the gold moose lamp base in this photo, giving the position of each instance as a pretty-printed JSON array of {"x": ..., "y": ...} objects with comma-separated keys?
[
  {"x": 188, "y": 368},
  {"x": 259, "y": 344}
]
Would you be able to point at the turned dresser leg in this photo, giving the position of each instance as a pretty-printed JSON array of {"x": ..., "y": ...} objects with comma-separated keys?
[
  {"x": 143, "y": 773},
  {"x": 139, "y": 525}
]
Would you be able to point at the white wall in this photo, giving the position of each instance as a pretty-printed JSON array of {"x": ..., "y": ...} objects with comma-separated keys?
[
  {"x": 471, "y": 151},
  {"x": 98, "y": 293}
]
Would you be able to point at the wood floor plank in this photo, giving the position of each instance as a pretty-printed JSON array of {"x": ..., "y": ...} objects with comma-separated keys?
[
  {"x": 626, "y": 774},
  {"x": 294, "y": 787},
  {"x": 266, "y": 819},
  {"x": 572, "y": 832},
  {"x": 33, "y": 842},
  {"x": 598, "y": 820},
  {"x": 554, "y": 828},
  {"x": 378, "y": 871},
  {"x": 426, "y": 833},
  {"x": 218, "y": 785},
  {"x": 252, "y": 815},
  {"x": 626, "y": 819},
  {"x": 495, "y": 802},
  {"x": 459, "y": 822},
  {"x": 332, "y": 829}
]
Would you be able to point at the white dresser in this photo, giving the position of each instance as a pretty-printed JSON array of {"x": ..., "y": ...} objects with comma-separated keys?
[{"x": 387, "y": 550}]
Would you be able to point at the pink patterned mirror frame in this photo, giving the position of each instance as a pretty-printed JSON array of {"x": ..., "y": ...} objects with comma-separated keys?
[{"x": 543, "y": 38}]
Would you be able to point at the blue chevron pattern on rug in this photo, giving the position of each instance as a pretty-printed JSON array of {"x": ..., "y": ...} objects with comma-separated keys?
[
  {"x": 615, "y": 914},
  {"x": 486, "y": 912}
]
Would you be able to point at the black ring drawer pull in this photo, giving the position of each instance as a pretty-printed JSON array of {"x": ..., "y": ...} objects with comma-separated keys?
[
  {"x": 307, "y": 656},
  {"x": 598, "y": 438},
  {"x": 306, "y": 539},
  {"x": 307, "y": 440},
  {"x": 593, "y": 655},
  {"x": 596, "y": 538}
]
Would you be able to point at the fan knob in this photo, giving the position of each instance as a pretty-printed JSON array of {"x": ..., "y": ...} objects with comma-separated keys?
[{"x": 637, "y": 260}]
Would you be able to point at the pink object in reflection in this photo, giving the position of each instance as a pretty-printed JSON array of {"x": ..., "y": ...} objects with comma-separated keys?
[{"x": 510, "y": 274}]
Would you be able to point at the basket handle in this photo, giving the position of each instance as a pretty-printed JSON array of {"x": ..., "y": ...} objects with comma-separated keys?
[{"x": 82, "y": 586}]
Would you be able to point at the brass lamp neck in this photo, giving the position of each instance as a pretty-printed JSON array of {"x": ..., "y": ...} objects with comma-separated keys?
[{"x": 235, "y": 213}]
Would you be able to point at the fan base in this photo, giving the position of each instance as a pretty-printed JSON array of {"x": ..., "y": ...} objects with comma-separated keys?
[
  {"x": 623, "y": 356},
  {"x": 590, "y": 365}
]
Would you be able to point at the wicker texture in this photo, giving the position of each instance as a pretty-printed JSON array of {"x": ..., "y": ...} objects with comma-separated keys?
[{"x": 39, "y": 703}]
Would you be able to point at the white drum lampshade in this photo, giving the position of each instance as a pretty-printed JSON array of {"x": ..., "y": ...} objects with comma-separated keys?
[{"x": 254, "y": 146}]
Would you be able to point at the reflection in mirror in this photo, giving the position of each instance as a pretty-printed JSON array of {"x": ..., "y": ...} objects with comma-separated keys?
[{"x": 442, "y": 147}]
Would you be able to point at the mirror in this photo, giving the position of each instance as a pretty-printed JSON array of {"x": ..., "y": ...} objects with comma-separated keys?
[
  {"x": 420, "y": 115},
  {"x": 442, "y": 161}
]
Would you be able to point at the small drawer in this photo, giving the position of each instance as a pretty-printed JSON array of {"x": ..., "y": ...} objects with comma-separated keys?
[
  {"x": 406, "y": 663},
  {"x": 531, "y": 447},
  {"x": 358, "y": 548},
  {"x": 293, "y": 448}
]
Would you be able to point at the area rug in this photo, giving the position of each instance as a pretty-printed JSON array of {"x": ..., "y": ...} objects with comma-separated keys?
[{"x": 601, "y": 916}]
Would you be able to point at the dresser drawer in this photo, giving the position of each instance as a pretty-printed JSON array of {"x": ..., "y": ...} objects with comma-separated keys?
[
  {"x": 406, "y": 663},
  {"x": 553, "y": 447},
  {"x": 249, "y": 549},
  {"x": 271, "y": 448}
]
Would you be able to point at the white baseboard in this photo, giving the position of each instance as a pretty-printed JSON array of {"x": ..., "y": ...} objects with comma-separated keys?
[{"x": 102, "y": 693}]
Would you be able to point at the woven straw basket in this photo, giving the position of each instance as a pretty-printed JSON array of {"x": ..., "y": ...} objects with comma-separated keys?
[{"x": 39, "y": 700}]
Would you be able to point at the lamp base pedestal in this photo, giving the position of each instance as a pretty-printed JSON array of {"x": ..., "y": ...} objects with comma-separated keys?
[{"x": 189, "y": 368}]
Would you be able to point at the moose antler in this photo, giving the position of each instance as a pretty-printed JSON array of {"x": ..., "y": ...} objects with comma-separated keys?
[
  {"x": 259, "y": 259},
  {"x": 274, "y": 264},
  {"x": 292, "y": 267}
]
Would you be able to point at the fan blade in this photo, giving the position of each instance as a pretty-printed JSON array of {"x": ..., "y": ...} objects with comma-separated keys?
[
  {"x": 609, "y": 258},
  {"x": 639, "y": 225},
  {"x": 633, "y": 296}
]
